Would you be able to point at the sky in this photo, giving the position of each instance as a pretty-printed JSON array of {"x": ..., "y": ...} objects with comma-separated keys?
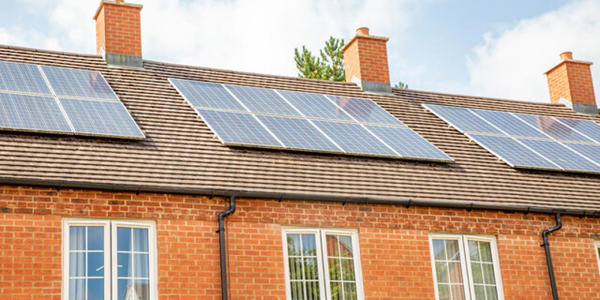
[{"x": 492, "y": 48}]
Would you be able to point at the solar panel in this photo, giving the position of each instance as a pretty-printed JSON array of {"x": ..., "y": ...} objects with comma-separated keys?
[
  {"x": 68, "y": 82},
  {"x": 259, "y": 100},
  {"x": 461, "y": 118},
  {"x": 206, "y": 94},
  {"x": 513, "y": 153},
  {"x": 531, "y": 141},
  {"x": 408, "y": 143},
  {"x": 365, "y": 110},
  {"x": 552, "y": 127},
  {"x": 315, "y": 105},
  {"x": 22, "y": 78},
  {"x": 508, "y": 123},
  {"x": 354, "y": 139},
  {"x": 590, "y": 128},
  {"x": 238, "y": 129},
  {"x": 561, "y": 155},
  {"x": 101, "y": 118},
  {"x": 259, "y": 117},
  {"x": 28, "y": 112},
  {"x": 298, "y": 134}
]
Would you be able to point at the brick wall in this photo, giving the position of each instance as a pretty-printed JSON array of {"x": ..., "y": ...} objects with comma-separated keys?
[
  {"x": 118, "y": 28},
  {"x": 393, "y": 243}
]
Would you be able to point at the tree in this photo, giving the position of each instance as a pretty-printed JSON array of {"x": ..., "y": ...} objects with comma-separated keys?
[
  {"x": 401, "y": 85},
  {"x": 330, "y": 66}
]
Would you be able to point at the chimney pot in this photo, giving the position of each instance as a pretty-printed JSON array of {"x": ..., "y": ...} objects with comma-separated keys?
[
  {"x": 566, "y": 55},
  {"x": 363, "y": 30}
]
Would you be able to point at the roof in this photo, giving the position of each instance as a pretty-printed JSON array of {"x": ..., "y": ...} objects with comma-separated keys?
[{"x": 181, "y": 153}]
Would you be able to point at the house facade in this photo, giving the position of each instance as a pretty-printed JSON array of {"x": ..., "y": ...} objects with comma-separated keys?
[{"x": 179, "y": 215}]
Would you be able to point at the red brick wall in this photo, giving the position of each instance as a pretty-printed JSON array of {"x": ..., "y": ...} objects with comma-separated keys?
[
  {"x": 393, "y": 243},
  {"x": 571, "y": 80},
  {"x": 118, "y": 29},
  {"x": 366, "y": 58}
]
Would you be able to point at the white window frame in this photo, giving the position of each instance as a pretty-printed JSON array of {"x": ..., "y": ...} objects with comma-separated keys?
[
  {"x": 465, "y": 262},
  {"x": 322, "y": 261},
  {"x": 596, "y": 249},
  {"x": 110, "y": 250}
]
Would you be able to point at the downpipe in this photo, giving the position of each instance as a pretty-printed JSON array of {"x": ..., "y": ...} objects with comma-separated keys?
[
  {"x": 546, "y": 246},
  {"x": 222, "y": 254}
]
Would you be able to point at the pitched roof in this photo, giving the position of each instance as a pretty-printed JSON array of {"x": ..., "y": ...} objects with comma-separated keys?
[{"x": 181, "y": 154}]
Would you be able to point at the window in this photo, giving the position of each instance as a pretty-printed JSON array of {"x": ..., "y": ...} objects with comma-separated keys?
[
  {"x": 465, "y": 267},
  {"x": 597, "y": 248},
  {"x": 109, "y": 260},
  {"x": 322, "y": 264}
]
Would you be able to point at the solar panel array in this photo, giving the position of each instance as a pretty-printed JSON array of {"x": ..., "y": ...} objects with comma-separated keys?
[
  {"x": 61, "y": 100},
  {"x": 282, "y": 119},
  {"x": 529, "y": 141}
]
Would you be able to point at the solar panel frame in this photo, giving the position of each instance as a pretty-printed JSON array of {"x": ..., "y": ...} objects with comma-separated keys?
[
  {"x": 197, "y": 94},
  {"x": 101, "y": 118},
  {"x": 296, "y": 132},
  {"x": 18, "y": 112},
  {"x": 411, "y": 143},
  {"x": 22, "y": 77},
  {"x": 78, "y": 83}
]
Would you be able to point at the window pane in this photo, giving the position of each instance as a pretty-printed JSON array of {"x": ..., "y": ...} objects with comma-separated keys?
[
  {"x": 77, "y": 264},
  {"x": 95, "y": 264},
  {"x": 334, "y": 269},
  {"x": 332, "y": 246},
  {"x": 95, "y": 289},
  {"x": 336, "y": 290},
  {"x": 455, "y": 272},
  {"x": 345, "y": 245},
  {"x": 297, "y": 290},
  {"x": 124, "y": 287},
  {"x": 444, "y": 291},
  {"x": 124, "y": 265},
  {"x": 348, "y": 269},
  {"x": 485, "y": 251},
  {"x": 439, "y": 250},
  {"x": 312, "y": 290},
  {"x": 350, "y": 291},
  {"x": 452, "y": 250},
  {"x": 479, "y": 292},
  {"x": 477, "y": 273},
  {"x": 491, "y": 292},
  {"x": 142, "y": 289},
  {"x": 488, "y": 273},
  {"x": 458, "y": 292},
  {"x": 441, "y": 271},
  {"x": 95, "y": 238},
  {"x": 293, "y": 244},
  {"x": 77, "y": 238},
  {"x": 474, "y": 251},
  {"x": 311, "y": 268},
  {"x": 309, "y": 245},
  {"x": 123, "y": 239},
  {"x": 141, "y": 265},
  {"x": 140, "y": 238},
  {"x": 77, "y": 289}
]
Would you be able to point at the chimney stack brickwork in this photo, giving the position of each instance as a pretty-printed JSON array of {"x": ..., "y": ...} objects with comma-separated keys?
[
  {"x": 570, "y": 83},
  {"x": 118, "y": 33},
  {"x": 366, "y": 62}
]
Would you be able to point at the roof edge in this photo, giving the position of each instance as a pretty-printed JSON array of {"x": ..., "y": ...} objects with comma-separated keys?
[
  {"x": 119, "y": 187},
  {"x": 22, "y": 48}
]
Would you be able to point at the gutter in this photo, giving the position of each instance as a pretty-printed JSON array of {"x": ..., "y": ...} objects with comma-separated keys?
[
  {"x": 136, "y": 188},
  {"x": 222, "y": 254},
  {"x": 546, "y": 246}
]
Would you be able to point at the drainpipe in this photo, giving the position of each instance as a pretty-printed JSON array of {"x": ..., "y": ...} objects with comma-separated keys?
[
  {"x": 223, "y": 257},
  {"x": 546, "y": 246}
]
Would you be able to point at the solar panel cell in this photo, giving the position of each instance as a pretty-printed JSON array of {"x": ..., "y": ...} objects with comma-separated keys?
[
  {"x": 590, "y": 151},
  {"x": 26, "y": 112},
  {"x": 78, "y": 83},
  {"x": 298, "y": 134},
  {"x": 365, "y": 110},
  {"x": 511, "y": 152},
  {"x": 462, "y": 119},
  {"x": 552, "y": 127},
  {"x": 353, "y": 138},
  {"x": 561, "y": 155},
  {"x": 101, "y": 118},
  {"x": 206, "y": 94},
  {"x": 587, "y": 127},
  {"x": 408, "y": 143},
  {"x": 508, "y": 123},
  {"x": 259, "y": 100},
  {"x": 22, "y": 78},
  {"x": 238, "y": 129},
  {"x": 315, "y": 105}
]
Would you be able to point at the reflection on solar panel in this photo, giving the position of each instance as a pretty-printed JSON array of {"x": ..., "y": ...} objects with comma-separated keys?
[
  {"x": 259, "y": 117},
  {"x": 61, "y": 100},
  {"x": 529, "y": 141}
]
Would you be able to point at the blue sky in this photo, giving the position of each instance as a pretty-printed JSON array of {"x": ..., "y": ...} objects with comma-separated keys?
[{"x": 495, "y": 48}]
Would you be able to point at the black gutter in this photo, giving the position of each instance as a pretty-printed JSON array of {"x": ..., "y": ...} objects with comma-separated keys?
[
  {"x": 137, "y": 188},
  {"x": 222, "y": 254},
  {"x": 546, "y": 246}
]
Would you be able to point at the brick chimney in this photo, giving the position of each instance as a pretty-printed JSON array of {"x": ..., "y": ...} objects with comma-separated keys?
[
  {"x": 365, "y": 62},
  {"x": 118, "y": 35},
  {"x": 570, "y": 83}
]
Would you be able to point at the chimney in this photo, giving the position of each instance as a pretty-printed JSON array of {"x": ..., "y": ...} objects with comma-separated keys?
[
  {"x": 570, "y": 83},
  {"x": 118, "y": 35},
  {"x": 365, "y": 62}
]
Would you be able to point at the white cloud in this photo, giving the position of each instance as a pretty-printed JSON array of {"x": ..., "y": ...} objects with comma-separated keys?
[{"x": 510, "y": 64}]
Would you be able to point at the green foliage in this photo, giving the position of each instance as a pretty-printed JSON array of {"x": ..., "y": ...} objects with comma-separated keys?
[
  {"x": 329, "y": 66},
  {"x": 401, "y": 85}
]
